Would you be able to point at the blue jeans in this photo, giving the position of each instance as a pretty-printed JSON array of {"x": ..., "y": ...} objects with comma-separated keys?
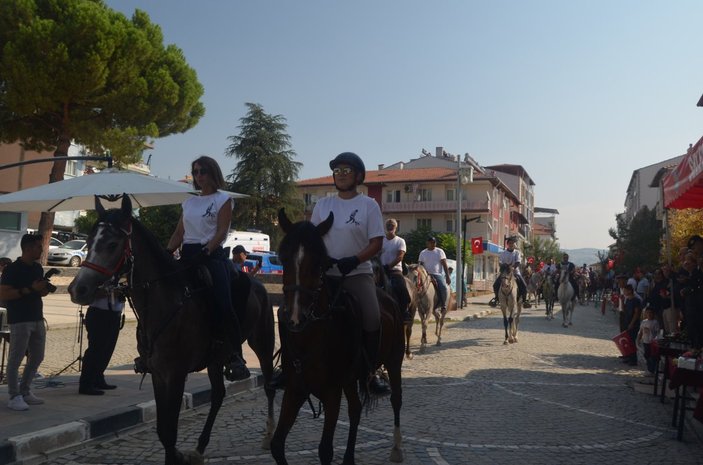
[
  {"x": 28, "y": 337},
  {"x": 441, "y": 289},
  {"x": 220, "y": 274}
]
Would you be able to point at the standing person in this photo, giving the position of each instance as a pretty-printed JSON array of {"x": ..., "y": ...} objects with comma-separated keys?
[
  {"x": 435, "y": 261},
  {"x": 4, "y": 261},
  {"x": 649, "y": 328},
  {"x": 239, "y": 255},
  {"x": 392, "y": 254},
  {"x": 511, "y": 257},
  {"x": 201, "y": 230},
  {"x": 102, "y": 323},
  {"x": 22, "y": 287},
  {"x": 632, "y": 308},
  {"x": 356, "y": 236}
]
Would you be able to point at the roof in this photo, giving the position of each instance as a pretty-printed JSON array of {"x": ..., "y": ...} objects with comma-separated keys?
[
  {"x": 515, "y": 170},
  {"x": 552, "y": 211}
]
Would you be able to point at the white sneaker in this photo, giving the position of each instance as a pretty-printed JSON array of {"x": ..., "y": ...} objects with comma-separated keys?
[
  {"x": 17, "y": 403},
  {"x": 31, "y": 399}
]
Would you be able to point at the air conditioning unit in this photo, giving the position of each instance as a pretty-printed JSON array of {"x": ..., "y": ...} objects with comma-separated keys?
[{"x": 408, "y": 188}]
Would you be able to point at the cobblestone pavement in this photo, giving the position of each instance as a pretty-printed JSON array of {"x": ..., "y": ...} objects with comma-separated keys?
[{"x": 560, "y": 395}]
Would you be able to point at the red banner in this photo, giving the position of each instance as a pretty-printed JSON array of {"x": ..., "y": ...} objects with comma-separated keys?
[{"x": 476, "y": 245}]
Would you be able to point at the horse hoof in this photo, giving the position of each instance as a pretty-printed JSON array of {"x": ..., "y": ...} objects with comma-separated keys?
[
  {"x": 266, "y": 443},
  {"x": 565, "y": 325},
  {"x": 409, "y": 356},
  {"x": 194, "y": 458},
  {"x": 396, "y": 456},
  {"x": 505, "y": 343},
  {"x": 439, "y": 343},
  {"x": 570, "y": 323}
]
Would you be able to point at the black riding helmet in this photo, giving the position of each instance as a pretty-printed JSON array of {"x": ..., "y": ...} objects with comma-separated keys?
[{"x": 351, "y": 159}]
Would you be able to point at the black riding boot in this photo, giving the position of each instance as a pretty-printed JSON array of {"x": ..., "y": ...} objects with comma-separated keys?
[
  {"x": 236, "y": 368},
  {"x": 377, "y": 385}
]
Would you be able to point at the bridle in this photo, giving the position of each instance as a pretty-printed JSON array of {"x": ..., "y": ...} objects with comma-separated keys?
[
  {"x": 423, "y": 283},
  {"x": 310, "y": 312},
  {"x": 125, "y": 264}
]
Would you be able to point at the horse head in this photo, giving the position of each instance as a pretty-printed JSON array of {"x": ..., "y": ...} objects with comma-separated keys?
[
  {"x": 109, "y": 251},
  {"x": 419, "y": 278},
  {"x": 304, "y": 258}
]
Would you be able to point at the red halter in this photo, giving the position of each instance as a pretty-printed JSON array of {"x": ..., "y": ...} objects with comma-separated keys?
[{"x": 126, "y": 255}]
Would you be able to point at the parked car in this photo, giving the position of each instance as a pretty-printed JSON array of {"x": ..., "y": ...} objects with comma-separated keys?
[
  {"x": 270, "y": 263},
  {"x": 54, "y": 243},
  {"x": 72, "y": 253}
]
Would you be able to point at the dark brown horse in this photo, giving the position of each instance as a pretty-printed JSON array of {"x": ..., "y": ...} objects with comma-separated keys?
[
  {"x": 174, "y": 319},
  {"x": 321, "y": 341}
]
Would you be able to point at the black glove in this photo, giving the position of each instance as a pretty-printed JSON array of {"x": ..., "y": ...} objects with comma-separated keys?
[
  {"x": 387, "y": 269},
  {"x": 347, "y": 264}
]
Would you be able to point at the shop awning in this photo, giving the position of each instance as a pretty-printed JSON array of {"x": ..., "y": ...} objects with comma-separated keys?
[{"x": 683, "y": 187}]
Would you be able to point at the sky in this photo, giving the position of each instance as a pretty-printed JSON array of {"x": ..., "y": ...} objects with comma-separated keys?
[{"x": 580, "y": 93}]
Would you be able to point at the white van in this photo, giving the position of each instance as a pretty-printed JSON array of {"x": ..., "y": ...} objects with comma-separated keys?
[{"x": 252, "y": 241}]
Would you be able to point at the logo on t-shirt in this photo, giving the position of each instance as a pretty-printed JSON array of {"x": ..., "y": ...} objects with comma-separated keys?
[
  {"x": 352, "y": 217},
  {"x": 209, "y": 213}
]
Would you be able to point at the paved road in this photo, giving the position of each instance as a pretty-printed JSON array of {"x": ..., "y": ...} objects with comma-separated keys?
[{"x": 558, "y": 396}]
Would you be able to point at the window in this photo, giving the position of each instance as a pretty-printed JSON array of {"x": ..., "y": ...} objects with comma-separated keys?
[
  {"x": 424, "y": 223},
  {"x": 424, "y": 195},
  {"x": 392, "y": 196},
  {"x": 70, "y": 168},
  {"x": 450, "y": 195},
  {"x": 10, "y": 220},
  {"x": 307, "y": 198},
  {"x": 450, "y": 226}
]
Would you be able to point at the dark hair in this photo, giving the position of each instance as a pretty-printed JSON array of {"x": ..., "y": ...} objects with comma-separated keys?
[
  {"x": 4, "y": 261},
  {"x": 213, "y": 169},
  {"x": 29, "y": 239},
  {"x": 628, "y": 287}
]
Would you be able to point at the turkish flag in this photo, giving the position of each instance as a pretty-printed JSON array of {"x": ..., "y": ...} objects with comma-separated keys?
[
  {"x": 476, "y": 245},
  {"x": 624, "y": 342}
]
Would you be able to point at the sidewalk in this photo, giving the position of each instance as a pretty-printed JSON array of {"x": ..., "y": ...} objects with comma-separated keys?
[{"x": 67, "y": 419}]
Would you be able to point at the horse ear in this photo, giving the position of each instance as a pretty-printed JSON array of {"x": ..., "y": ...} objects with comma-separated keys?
[
  {"x": 283, "y": 221},
  {"x": 99, "y": 207},
  {"x": 325, "y": 226},
  {"x": 126, "y": 205}
]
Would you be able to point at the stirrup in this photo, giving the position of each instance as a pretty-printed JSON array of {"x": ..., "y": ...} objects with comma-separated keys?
[
  {"x": 278, "y": 380},
  {"x": 140, "y": 366},
  {"x": 236, "y": 369},
  {"x": 378, "y": 386}
]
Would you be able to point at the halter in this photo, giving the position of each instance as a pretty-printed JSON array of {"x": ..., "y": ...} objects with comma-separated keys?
[
  {"x": 309, "y": 311},
  {"x": 127, "y": 258},
  {"x": 421, "y": 286}
]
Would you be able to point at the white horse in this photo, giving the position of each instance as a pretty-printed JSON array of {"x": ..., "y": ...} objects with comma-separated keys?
[
  {"x": 566, "y": 297},
  {"x": 427, "y": 301},
  {"x": 510, "y": 305}
]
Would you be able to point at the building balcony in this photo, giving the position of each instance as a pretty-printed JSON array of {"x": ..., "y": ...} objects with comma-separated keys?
[{"x": 434, "y": 206}]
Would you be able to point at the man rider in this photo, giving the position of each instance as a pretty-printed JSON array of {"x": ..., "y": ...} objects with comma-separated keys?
[
  {"x": 511, "y": 257},
  {"x": 571, "y": 272},
  {"x": 392, "y": 253}
]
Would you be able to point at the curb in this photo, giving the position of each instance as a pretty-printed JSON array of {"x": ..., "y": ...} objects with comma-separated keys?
[{"x": 35, "y": 447}]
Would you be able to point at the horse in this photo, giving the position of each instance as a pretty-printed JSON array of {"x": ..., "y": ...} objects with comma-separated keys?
[
  {"x": 510, "y": 304},
  {"x": 565, "y": 294},
  {"x": 321, "y": 343},
  {"x": 582, "y": 282},
  {"x": 382, "y": 281},
  {"x": 427, "y": 301},
  {"x": 548, "y": 295},
  {"x": 173, "y": 319},
  {"x": 534, "y": 283}
]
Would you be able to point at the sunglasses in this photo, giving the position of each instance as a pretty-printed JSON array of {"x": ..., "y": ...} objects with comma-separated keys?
[
  {"x": 344, "y": 171},
  {"x": 201, "y": 171}
]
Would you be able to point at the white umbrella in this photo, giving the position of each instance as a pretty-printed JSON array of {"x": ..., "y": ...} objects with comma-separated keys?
[{"x": 79, "y": 193}]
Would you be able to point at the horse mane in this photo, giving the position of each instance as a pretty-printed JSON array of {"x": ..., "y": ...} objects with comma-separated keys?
[{"x": 303, "y": 233}]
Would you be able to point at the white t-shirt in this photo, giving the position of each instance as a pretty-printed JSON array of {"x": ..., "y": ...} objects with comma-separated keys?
[
  {"x": 649, "y": 330},
  {"x": 390, "y": 250},
  {"x": 200, "y": 217},
  {"x": 510, "y": 257},
  {"x": 432, "y": 260},
  {"x": 356, "y": 222}
]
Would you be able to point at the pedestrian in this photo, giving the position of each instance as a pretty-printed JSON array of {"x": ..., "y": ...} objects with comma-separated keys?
[
  {"x": 102, "y": 323},
  {"x": 511, "y": 257},
  {"x": 434, "y": 260},
  {"x": 356, "y": 236},
  {"x": 239, "y": 255},
  {"x": 392, "y": 254},
  {"x": 200, "y": 233},
  {"x": 22, "y": 287},
  {"x": 692, "y": 293},
  {"x": 632, "y": 308},
  {"x": 649, "y": 328}
]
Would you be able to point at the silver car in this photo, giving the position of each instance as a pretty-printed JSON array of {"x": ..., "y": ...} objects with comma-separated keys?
[{"x": 72, "y": 253}]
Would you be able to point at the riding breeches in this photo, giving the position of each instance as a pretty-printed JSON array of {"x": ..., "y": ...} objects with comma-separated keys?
[
  {"x": 220, "y": 275},
  {"x": 400, "y": 290},
  {"x": 441, "y": 289},
  {"x": 363, "y": 288}
]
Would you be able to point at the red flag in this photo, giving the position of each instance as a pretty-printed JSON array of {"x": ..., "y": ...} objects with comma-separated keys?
[
  {"x": 625, "y": 344},
  {"x": 476, "y": 245}
]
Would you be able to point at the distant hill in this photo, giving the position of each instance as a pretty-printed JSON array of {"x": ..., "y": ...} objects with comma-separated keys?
[{"x": 580, "y": 256}]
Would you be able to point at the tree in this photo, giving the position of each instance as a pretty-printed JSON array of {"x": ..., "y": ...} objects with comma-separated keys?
[
  {"x": 77, "y": 71},
  {"x": 161, "y": 221},
  {"x": 682, "y": 225},
  {"x": 84, "y": 224},
  {"x": 637, "y": 243},
  {"x": 266, "y": 171},
  {"x": 542, "y": 249}
]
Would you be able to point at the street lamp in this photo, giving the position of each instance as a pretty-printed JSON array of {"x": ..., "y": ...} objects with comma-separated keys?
[
  {"x": 478, "y": 220},
  {"x": 463, "y": 176}
]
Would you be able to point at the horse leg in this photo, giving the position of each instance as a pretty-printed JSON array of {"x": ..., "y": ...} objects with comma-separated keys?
[
  {"x": 262, "y": 343},
  {"x": 354, "y": 413},
  {"x": 408, "y": 326},
  {"x": 505, "y": 326},
  {"x": 214, "y": 372},
  {"x": 438, "y": 326},
  {"x": 394, "y": 376},
  {"x": 290, "y": 405},
  {"x": 424, "y": 319},
  {"x": 168, "y": 394},
  {"x": 325, "y": 450},
  {"x": 511, "y": 329}
]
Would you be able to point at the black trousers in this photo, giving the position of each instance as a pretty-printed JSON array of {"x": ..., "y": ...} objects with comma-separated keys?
[{"x": 103, "y": 327}]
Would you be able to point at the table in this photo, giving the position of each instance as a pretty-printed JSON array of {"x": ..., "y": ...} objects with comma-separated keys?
[
  {"x": 669, "y": 352},
  {"x": 681, "y": 380}
]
